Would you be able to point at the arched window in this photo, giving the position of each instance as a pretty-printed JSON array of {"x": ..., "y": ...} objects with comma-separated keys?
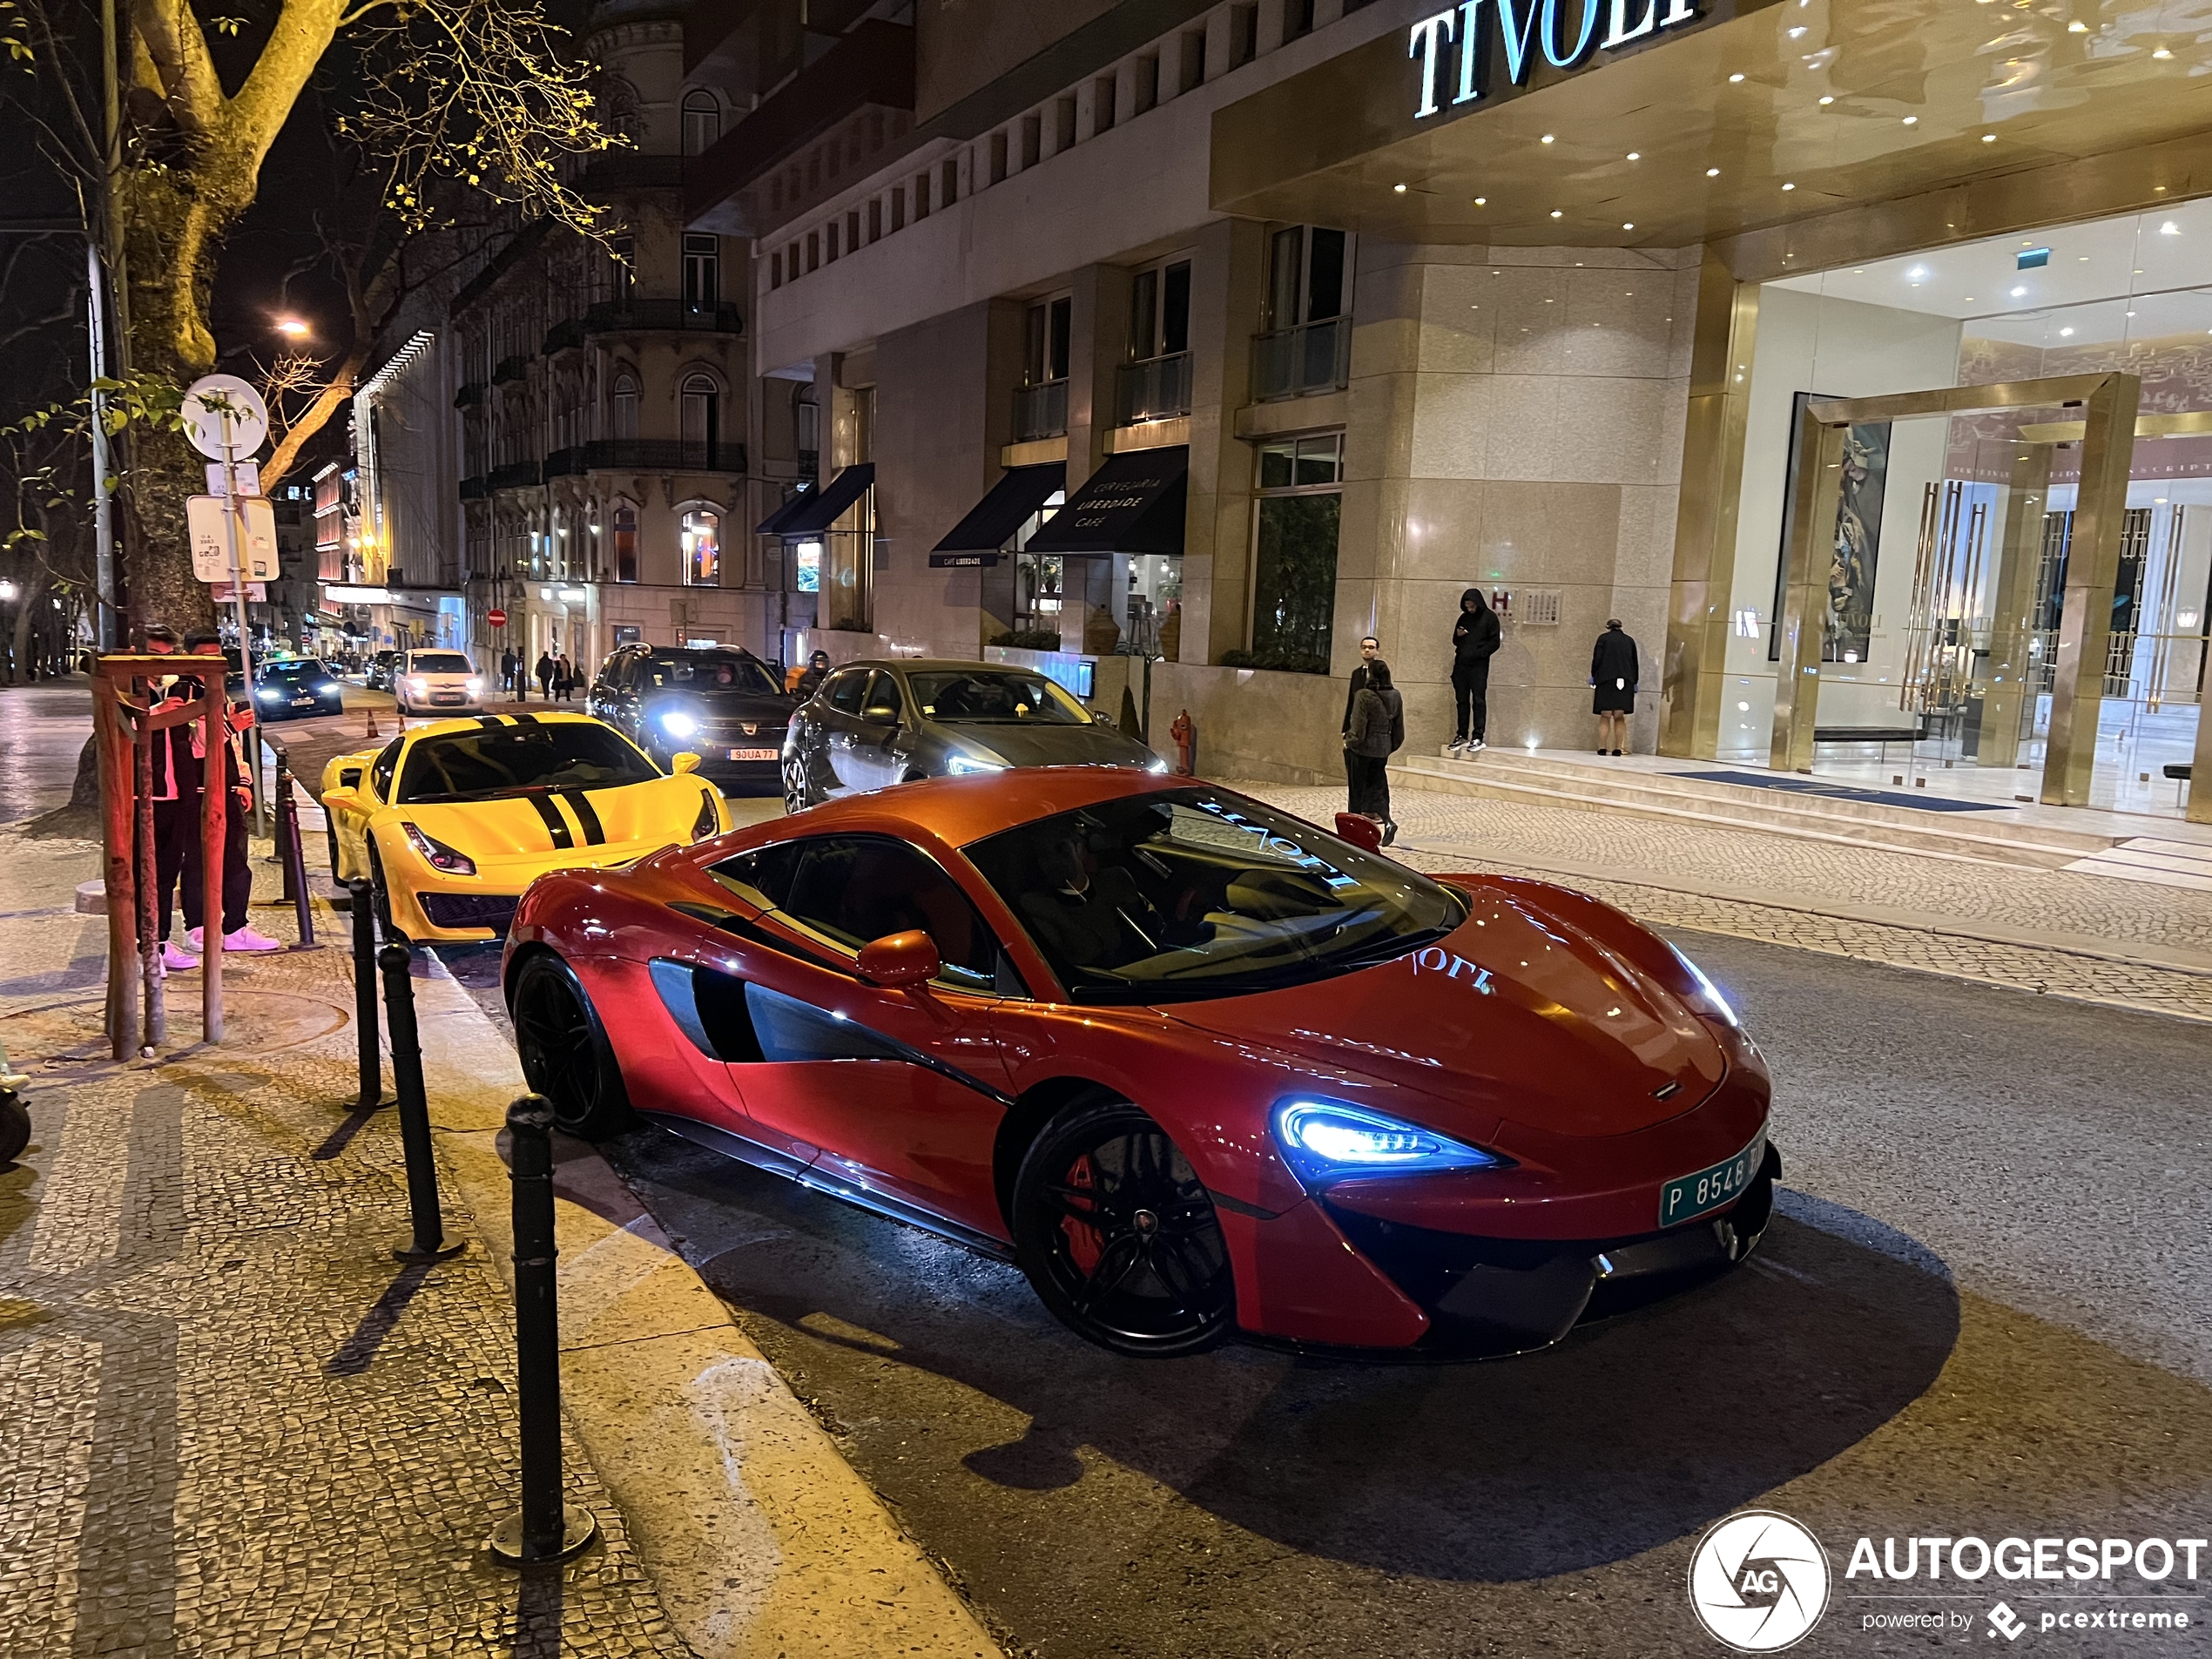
[
  {"x": 703, "y": 547},
  {"x": 702, "y": 416},
  {"x": 625, "y": 542},
  {"x": 625, "y": 406},
  {"x": 702, "y": 123}
]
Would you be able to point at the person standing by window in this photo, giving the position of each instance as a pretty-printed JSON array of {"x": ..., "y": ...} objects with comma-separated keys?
[
  {"x": 1377, "y": 727},
  {"x": 1613, "y": 679},
  {"x": 1475, "y": 638}
]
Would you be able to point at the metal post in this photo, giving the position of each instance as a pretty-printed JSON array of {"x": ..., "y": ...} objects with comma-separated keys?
[
  {"x": 103, "y": 626},
  {"x": 1819, "y": 486},
  {"x": 295, "y": 858},
  {"x": 154, "y": 1029},
  {"x": 365, "y": 995},
  {"x": 117, "y": 825},
  {"x": 2092, "y": 572},
  {"x": 429, "y": 1243},
  {"x": 214, "y": 831},
  {"x": 544, "y": 1529}
]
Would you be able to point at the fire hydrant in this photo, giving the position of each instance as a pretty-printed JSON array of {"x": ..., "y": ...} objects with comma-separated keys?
[{"x": 1186, "y": 745}]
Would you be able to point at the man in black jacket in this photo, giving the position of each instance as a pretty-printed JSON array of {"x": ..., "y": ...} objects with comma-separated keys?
[
  {"x": 1370, "y": 648},
  {"x": 1475, "y": 638}
]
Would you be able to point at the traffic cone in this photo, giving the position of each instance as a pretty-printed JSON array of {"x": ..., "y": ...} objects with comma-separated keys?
[{"x": 371, "y": 732}]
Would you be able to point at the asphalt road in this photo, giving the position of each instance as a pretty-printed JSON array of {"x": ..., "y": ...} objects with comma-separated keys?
[{"x": 1986, "y": 1309}]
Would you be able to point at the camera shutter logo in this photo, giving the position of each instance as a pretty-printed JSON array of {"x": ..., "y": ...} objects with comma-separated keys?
[{"x": 1758, "y": 1581}]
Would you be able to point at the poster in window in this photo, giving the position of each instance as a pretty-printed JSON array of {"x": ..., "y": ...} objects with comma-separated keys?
[{"x": 1847, "y": 618}]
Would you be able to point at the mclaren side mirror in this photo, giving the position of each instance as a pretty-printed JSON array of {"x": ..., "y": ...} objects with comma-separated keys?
[
  {"x": 901, "y": 959},
  {"x": 680, "y": 764}
]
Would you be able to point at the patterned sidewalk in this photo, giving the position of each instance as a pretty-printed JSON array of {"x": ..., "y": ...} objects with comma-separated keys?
[
  {"x": 229, "y": 1422},
  {"x": 1965, "y": 918}
]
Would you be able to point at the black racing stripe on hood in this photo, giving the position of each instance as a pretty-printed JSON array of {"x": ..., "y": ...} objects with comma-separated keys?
[
  {"x": 555, "y": 826},
  {"x": 594, "y": 834}
]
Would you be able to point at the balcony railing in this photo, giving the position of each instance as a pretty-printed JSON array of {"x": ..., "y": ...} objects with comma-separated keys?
[
  {"x": 1295, "y": 362},
  {"x": 645, "y": 455},
  {"x": 613, "y": 316},
  {"x": 565, "y": 336},
  {"x": 470, "y": 396},
  {"x": 1041, "y": 411},
  {"x": 475, "y": 489},
  {"x": 515, "y": 474},
  {"x": 1156, "y": 388},
  {"x": 510, "y": 368}
]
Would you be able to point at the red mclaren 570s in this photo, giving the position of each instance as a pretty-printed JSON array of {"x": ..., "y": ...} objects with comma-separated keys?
[{"x": 1198, "y": 1067}]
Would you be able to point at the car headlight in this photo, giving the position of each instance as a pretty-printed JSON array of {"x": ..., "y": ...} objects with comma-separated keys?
[
  {"x": 417, "y": 684},
  {"x": 1326, "y": 1140},
  {"x": 438, "y": 855},
  {"x": 960, "y": 765},
  {"x": 1156, "y": 765},
  {"x": 678, "y": 724},
  {"x": 268, "y": 694},
  {"x": 1706, "y": 999},
  {"x": 328, "y": 688},
  {"x": 709, "y": 822},
  {"x": 475, "y": 685}
]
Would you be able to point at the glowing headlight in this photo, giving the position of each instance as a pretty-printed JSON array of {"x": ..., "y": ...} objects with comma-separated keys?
[
  {"x": 960, "y": 765},
  {"x": 268, "y": 694},
  {"x": 475, "y": 685},
  {"x": 328, "y": 688},
  {"x": 1156, "y": 765},
  {"x": 438, "y": 855},
  {"x": 416, "y": 684},
  {"x": 1707, "y": 998},
  {"x": 678, "y": 724},
  {"x": 1326, "y": 1140}
]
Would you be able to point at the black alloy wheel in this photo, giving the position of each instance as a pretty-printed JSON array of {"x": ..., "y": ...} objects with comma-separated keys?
[
  {"x": 1118, "y": 1236},
  {"x": 565, "y": 1053},
  {"x": 379, "y": 897},
  {"x": 795, "y": 798}
]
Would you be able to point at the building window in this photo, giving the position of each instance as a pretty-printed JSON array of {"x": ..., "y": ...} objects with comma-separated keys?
[
  {"x": 948, "y": 182},
  {"x": 1294, "y": 561},
  {"x": 1297, "y": 18},
  {"x": 625, "y": 544},
  {"x": 921, "y": 195},
  {"x": 829, "y": 243},
  {"x": 1306, "y": 346},
  {"x": 702, "y": 420},
  {"x": 813, "y": 250},
  {"x": 703, "y": 120},
  {"x": 852, "y": 230},
  {"x": 776, "y": 269},
  {"x": 875, "y": 218},
  {"x": 1160, "y": 310},
  {"x": 702, "y": 273},
  {"x": 623, "y": 256},
  {"x": 702, "y": 548},
  {"x": 1041, "y": 404},
  {"x": 625, "y": 406},
  {"x": 899, "y": 209}
]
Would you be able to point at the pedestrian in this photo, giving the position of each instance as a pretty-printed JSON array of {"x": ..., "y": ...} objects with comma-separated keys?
[
  {"x": 507, "y": 671},
  {"x": 545, "y": 675},
  {"x": 1370, "y": 648},
  {"x": 228, "y": 772},
  {"x": 1475, "y": 638},
  {"x": 564, "y": 679},
  {"x": 1613, "y": 680},
  {"x": 176, "y": 798},
  {"x": 1376, "y": 729},
  {"x": 818, "y": 668}
]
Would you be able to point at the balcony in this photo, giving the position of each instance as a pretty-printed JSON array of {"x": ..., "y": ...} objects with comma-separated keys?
[
  {"x": 563, "y": 336},
  {"x": 510, "y": 368},
  {"x": 645, "y": 455},
  {"x": 471, "y": 396},
  {"x": 1294, "y": 362},
  {"x": 1041, "y": 411},
  {"x": 640, "y": 316},
  {"x": 515, "y": 474},
  {"x": 1155, "y": 389},
  {"x": 475, "y": 489}
]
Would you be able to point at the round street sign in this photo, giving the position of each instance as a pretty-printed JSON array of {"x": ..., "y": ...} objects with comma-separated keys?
[
  {"x": 496, "y": 618},
  {"x": 209, "y": 401}
]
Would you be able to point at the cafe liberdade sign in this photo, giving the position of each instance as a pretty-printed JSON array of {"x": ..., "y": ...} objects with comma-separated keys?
[{"x": 1450, "y": 44}]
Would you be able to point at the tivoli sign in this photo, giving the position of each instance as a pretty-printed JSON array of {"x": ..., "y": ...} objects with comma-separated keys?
[{"x": 1450, "y": 44}]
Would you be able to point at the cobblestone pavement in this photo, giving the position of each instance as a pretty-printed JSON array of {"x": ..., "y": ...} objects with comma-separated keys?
[
  {"x": 229, "y": 1422},
  {"x": 1954, "y": 900}
]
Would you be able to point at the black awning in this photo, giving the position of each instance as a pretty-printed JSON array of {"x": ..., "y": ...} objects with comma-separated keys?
[
  {"x": 993, "y": 520},
  {"x": 819, "y": 508},
  {"x": 773, "y": 525},
  {"x": 1132, "y": 504}
]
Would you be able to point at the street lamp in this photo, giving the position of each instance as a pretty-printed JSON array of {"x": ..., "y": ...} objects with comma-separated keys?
[
  {"x": 292, "y": 328},
  {"x": 7, "y": 593}
]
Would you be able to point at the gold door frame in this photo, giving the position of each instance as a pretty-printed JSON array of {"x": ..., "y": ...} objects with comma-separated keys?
[{"x": 2108, "y": 403}]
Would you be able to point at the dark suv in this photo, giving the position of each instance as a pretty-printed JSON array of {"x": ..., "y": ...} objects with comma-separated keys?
[{"x": 725, "y": 705}]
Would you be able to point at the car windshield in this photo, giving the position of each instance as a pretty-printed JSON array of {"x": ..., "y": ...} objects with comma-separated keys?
[
  {"x": 1196, "y": 892},
  {"x": 494, "y": 761},
  {"x": 439, "y": 662},
  {"x": 294, "y": 671},
  {"x": 720, "y": 670},
  {"x": 988, "y": 696}
]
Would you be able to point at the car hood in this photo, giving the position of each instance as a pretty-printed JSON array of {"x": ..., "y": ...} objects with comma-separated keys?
[
  {"x": 659, "y": 812},
  {"x": 1517, "y": 1016},
  {"x": 1045, "y": 745},
  {"x": 759, "y": 706}
]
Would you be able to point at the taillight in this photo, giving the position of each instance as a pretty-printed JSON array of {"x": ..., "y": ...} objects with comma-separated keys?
[
  {"x": 438, "y": 855},
  {"x": 709, "y": 822}
]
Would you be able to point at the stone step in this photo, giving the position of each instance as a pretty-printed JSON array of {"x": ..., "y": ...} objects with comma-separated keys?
[
  {"x": 1986, "y": 837},
  {"x": 2172, "y": 864}
]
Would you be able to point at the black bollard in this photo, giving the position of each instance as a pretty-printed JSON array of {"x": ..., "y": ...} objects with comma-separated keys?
[
  {"x": 545, "y": 1528},
  {"x": 293, "y": 857},
  {"x": 365, "y": 996},
  {"x": 429, "y": 1243}
]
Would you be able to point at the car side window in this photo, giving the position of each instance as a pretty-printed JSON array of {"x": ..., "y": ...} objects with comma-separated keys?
[
  {"x": 848, "y": 689},
  {"x": 852, "y": 889},
  {"x": 379, "y": 775},
  {"x": 882, "y": 705}
]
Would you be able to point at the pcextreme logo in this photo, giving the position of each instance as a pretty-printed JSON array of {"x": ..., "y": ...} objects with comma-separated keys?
[{"x": 1758, "y": 1581}]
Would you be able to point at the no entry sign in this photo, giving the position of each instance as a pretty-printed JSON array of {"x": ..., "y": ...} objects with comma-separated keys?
[{"x": 496, "y": 618}]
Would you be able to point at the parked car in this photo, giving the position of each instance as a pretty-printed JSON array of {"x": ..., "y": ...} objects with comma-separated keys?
[
  {"x": 437, "y": 682},
  {"x": 727, "y": 706},
  {"x": 875, "y": 724},
  {"x": 1198, "y": 1067},
  {"x": 295, "y": 687},
  {"x": 378, "y": 676},
  {"x": 450, "y": 823}
]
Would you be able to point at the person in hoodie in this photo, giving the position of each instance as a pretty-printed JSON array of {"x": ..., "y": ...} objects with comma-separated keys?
[
  {"x": 1377, "y": 727},
  {"x": 1613, "y": 684},
  {"x": 1475, "y": 638}
]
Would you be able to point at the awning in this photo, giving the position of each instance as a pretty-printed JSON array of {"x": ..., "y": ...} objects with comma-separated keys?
[
  {"x": 1132, "y": 504},
  {"x": 818, "y": 509},
  {"x": 1019, "y": 492},
  {"x": 773, "y": 525}
]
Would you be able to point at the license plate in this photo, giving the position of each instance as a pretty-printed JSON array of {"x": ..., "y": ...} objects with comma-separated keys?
[
  {"x": 303, "y": 702},
  {"x": 1690, "y": 1196},
  {"x": 752, "y": 754}
]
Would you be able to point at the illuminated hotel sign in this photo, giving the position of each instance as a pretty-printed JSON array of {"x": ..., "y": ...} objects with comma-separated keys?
[{"x": 1449, "y": 46}]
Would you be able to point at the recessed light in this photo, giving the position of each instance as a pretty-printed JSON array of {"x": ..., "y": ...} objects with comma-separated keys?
[
  {"x": 1635, "y": 155},
  {"x": 1827, "y": 100},
  {"x": 1629, "y": 225},
  {"x": 2161, "y": 54},
  {"x": 2077, "y": 27},
  {"x": 1798, "y": 33},
  {"x": 1548, "y": 138},
  {"x": 1859, "y": 270},
  {"x": 1989, "y": 138},
  {"x": 1912, "y": 120},
  {"x": 2081, "y": 259},
  {"x": 1400, "y": 189},
  {"x": 1918, "y": 274},
  {"x": 1736, "y": 77},
  {"x": 2170, "y": 228},
  {"x": 1969, "y": 299},
  {"x": 2066, "y": 333},
  {"x": 1712, "y": 172},
  {"x": 1789, "y": 186},
  {"x": 1481, "y": 201},
  {"x": 2158, "y": 501},
  {"x": 1556, "y": 214},
  {"x": 2019, "y": 293},
  {"x": 2131, "y": 314}
]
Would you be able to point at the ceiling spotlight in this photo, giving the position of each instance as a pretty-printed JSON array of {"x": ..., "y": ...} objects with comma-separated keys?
[
  {"x": 2019, "y": 293},
  {"x": 1736, "y": 77},
  {"x": 292, "y": 328},
  {"x": 1912, "y": 120},
  {"x": 2066, "y": 333},
  {"x": 1918, "y": 274},
  {"x": 2170, "y": 228},
  {"x": 1556, "y": 214},
  {"x": 1712, "y": 172},
  {"x": 1400, "y": 189},
  {"x": 1629, "y": 225},
  {"x": 2077, "y": 27},
  {"x": 1989, "y": 138},
  {"x": 2161, "y": 54},
  {"x": 1827, "y": 100},
  {"x": 1481, "y": 201},
  {"x": 1548, "y": 138},
  {"x": 1789, "y": 186},
  {"x": 2130, "y": 313}
]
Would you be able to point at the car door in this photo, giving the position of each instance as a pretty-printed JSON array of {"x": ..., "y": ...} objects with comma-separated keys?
[
  {"x": 878, "y": 750},
  {"x": 843, "y": 730},
  {"x": 376, "y": 789},
  {"x": 901, "y": 1090}
]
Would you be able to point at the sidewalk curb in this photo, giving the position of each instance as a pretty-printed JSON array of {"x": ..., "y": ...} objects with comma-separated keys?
[{"x": 760, "y": 1538}]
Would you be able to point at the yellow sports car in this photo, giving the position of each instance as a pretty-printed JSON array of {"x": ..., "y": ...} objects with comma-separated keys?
[{"x": 449, "y": 822}]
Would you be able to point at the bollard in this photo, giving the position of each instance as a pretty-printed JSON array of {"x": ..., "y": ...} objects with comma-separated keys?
[
  {"x": 293, "y": 857},
  {"x": 545, "y": 1528},
  {"x": 429, "y": 1243},
  {"x": 365, "y": 996}
]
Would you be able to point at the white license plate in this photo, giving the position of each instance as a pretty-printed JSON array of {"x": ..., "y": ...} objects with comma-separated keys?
[
  {"x": 303, "y": 702},
  {"x": 752, "y": 754}
]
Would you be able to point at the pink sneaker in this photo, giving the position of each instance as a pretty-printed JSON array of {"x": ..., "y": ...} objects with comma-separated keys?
[
  {"x": 175, "y": 960},
  {"x": 193, "y": 941},
  {"x": 246, "y": 939}
]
